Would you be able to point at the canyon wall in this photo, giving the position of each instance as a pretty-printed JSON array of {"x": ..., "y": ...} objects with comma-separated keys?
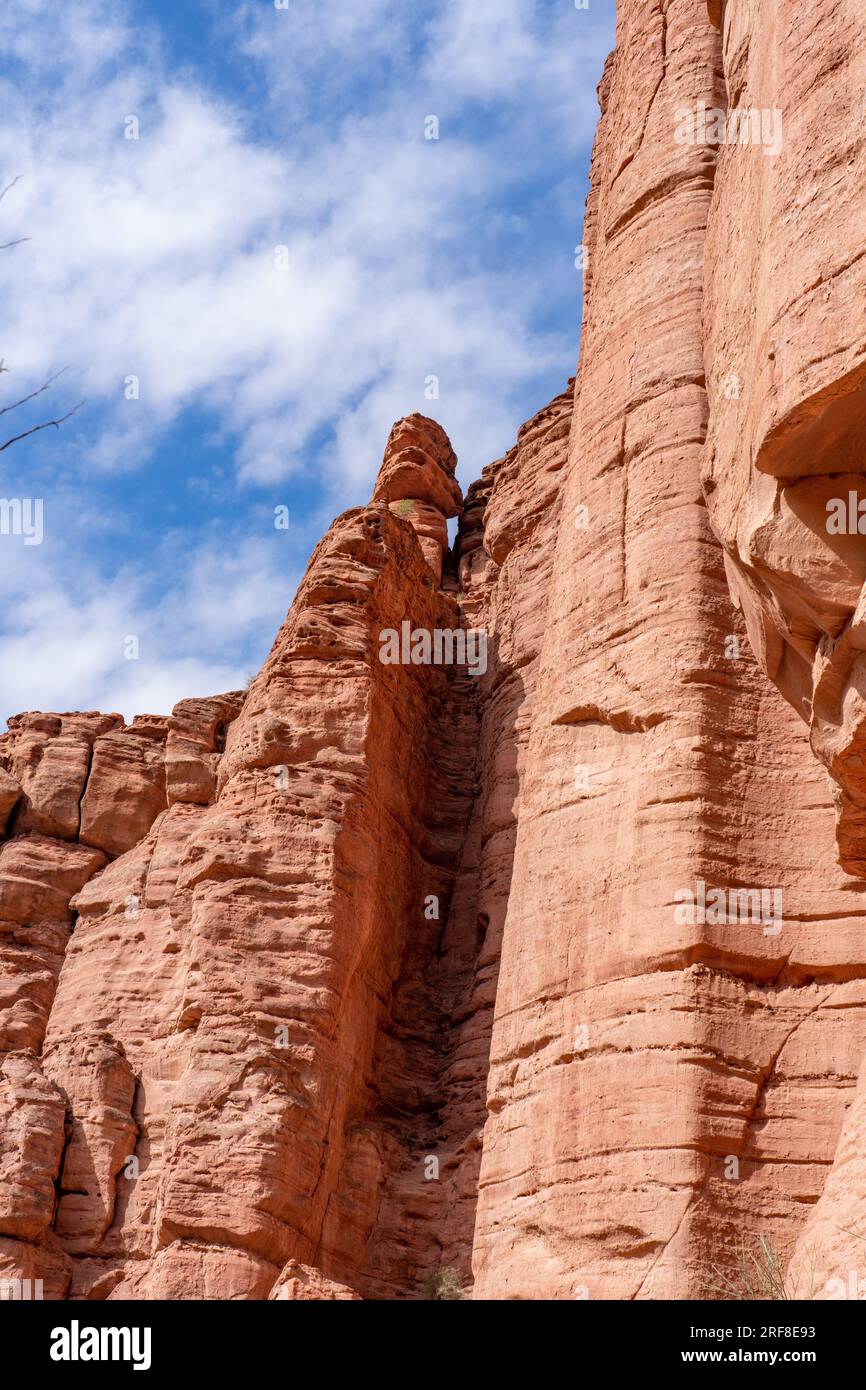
[
  {"x": 697, "y": 1070},
  {"x": 530, "y": 963},
  {"x": 258, "y": 1065},
  {"x": 785, "y": 351}
]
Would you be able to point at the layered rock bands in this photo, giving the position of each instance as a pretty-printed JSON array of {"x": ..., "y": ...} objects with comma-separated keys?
[{"x": 509, "y": 930}]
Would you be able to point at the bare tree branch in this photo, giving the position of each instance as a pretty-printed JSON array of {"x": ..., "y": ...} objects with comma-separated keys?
[
  {"x": 33, "y": 394},
  {"x": 47, "y": 424},
  {"x": 3, "y": 192},
  {"x": 4, "y": 410}
]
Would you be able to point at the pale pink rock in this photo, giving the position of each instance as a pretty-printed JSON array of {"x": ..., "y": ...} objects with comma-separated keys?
[
  {"x": 785, "y": 352},
  {"x": 303, "y": 1283},
  {"x": 379, "y": 971},
  {"x": 49, "y": 756},
  {"x": 10, "y": 791},
  {"x": 126, "y": 786},
  {"x": 417, "y": 482},
  {"x": 93, "y": 1073},
  {"x": 200, "y": 947},
  {"x": 637, "y": 1059},
  {"x": 38, "y": 876},
  {"x": 185, "y": 1269},
  {"x": 830, "y": 1258},
  {"x": 196, "y": 738},
  {"x": 33, "y": 1272},
  {"x": 32, "y": 1116}
]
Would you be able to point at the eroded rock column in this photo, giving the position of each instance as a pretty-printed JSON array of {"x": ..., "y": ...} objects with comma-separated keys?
[{"x": 646, "y": 1060}]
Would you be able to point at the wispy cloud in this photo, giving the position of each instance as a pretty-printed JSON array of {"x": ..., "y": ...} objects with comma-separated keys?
[
  {"x": 66, "y": 644},
  {"x": 281, "y": 250}
]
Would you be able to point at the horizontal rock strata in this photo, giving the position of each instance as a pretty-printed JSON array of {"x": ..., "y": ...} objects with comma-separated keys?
[{"x": 506, "y": 937}]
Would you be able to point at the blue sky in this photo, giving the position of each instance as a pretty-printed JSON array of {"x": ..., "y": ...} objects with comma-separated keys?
[{"x": 264, "y": 377}]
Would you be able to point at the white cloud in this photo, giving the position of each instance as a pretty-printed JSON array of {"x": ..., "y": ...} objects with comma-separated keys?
[
  {"x": 64, "y": 645},
  {"x": 69, "y": 42},
  {"x": 155, "y": 257}
]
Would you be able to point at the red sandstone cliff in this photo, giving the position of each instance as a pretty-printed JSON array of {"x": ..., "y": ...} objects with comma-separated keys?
[{"x": 383, "y": 968}]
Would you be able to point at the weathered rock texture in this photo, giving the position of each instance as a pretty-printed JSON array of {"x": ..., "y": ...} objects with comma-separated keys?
[
  {"x": 785, "y": 351},
  {"x": 387, "y": 968},
  {"x": 417, "y": 481},
  {"x": 785, "y": 343},
  {"x": 697, "y": 1071}
]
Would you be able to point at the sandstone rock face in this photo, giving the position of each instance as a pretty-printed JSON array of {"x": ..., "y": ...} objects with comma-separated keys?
[
  {"x": 417, "y": 481},
  {"x": 196, "y": 738},
  {"x": 9, "y": 794},
  {"x": 785, "y": 349},
  {"x": 38, "y": 878},
  {"x": 126, "y": 786},
  {"x": 271, "y": 1030},
  {"x": 99, "y": 1085},
  {"x": 497, "y": 931},
  {"x": 308, "y": 1285},
  {"x": 829, "y": 1261},
  {"x": 49, "y": 756},
  {"x": 31, "y": 1142},
  {"x": 672, "y": 1047}
]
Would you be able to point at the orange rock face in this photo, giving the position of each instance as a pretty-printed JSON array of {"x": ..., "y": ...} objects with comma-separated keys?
[
  {"x": 495, "y": 938},
  {"x": 417, "y": 481},
  {"x": 785, "y": 351},
  {"x": 785, "y": 347},
  {"x": 672, "y": 1045}
]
